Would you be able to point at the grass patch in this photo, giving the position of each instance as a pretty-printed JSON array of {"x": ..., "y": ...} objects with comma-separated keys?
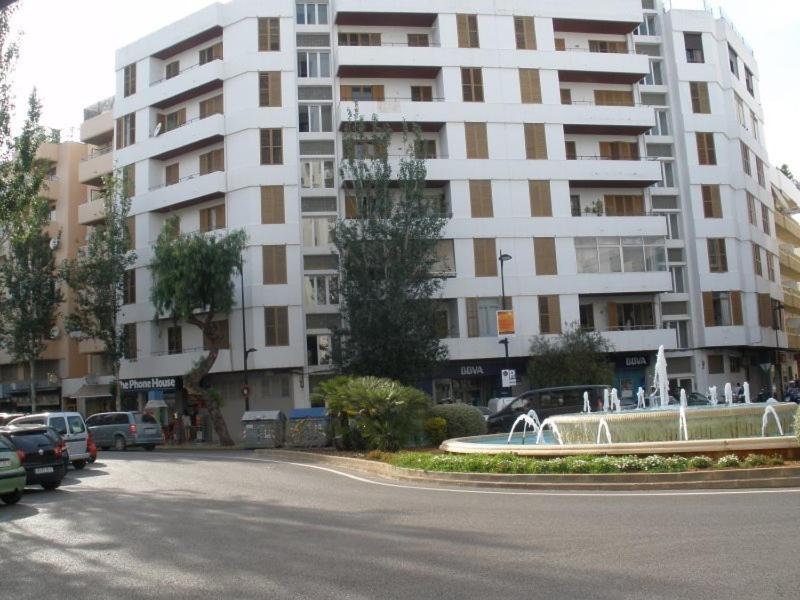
[{"x": 511, "y": 463}]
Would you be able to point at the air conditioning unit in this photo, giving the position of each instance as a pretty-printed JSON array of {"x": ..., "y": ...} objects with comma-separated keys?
[{"x": 54, "y": 243}]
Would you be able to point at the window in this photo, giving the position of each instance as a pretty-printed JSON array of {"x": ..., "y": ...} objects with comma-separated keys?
[
  {"x": 126, "y": 130},
  {"x": 313, "y": 63},
  {"x": 477, "y": 143},
  {"x": 623, "y": 205},
  {"x": 274, "y": 258},
  {"x": 539, "y": 192},
  {"x": 211, "y": 53},
  {"x": 535, "y": 141},
  {"x": 467, "y": 26},
  {"x": 525, "y": 33},
  {"x": 322, "y": 290},
  {"x": 530, "y": 88},
  {"x": 315, "y": 118},
  {"x": 733, "y": 62},
  {"x": 129, "y": 180},
  {"x": 606, "y": 47},
  {"x": 699, "y": 93},
  {"x": 560, "y": 44},
  {"x": 613, "y": 98},
  {"x": 310, "y": 13},
  {"x": 770, "y": 266},
  {"x": 630, "y": 315},
  {"x": 425, "y": 149},
  {"x": 129, "y": 287},
  {"x": 445, "y": 263},
  {"x": 673, "y": 229},
  {"x": 549, "y": 314},
  {"x": 544, "y": 256},
  {"x": 678, "y": 274},
  {"x": 217, "y": 335},
  {"x": 765, "y": 218},
  {"x": 172, "y": 69},
  {"x": 722, "y": 309},
  {"x": 766, "y": 317},
  {"x": 269, "y": 88},
  {"x": 317, "y": 230},
  {"x": 618, "y": 255},
  {"x": 172, "y": 174},
  {"x": 269, "y": 34},
  {"x": 587, "y": 316},
  {"x": 276, "y": 320},
  {"x": 655, "y": 76},
  {"x": 717, "y": 257},
  {"x": 739, "y": 109},
  {"x": 662, "y": 123},
  {"x": 757, "y": 260},
  {"x": 359, "y": 39},
  {"x": 735, "y": 364},
  {"x": 566, "y": 96},
  {"x": 129, "y": 344},
  {"x": 175, "y": 339},
  {"x": 751, "y": 209},
  {"x": 212, "y": 218},
  {"x": 716, "y": 364},
  {"x": 316, "y": 174},
  {"x": 272, "y": 207},
  {"x": 570, "y": 150},
  {"x": 485, "y": 257},
  {"x": 575, "y": 205},
  {"x": 482, "y": 316},
  {"x": 129, "y": 80},
  {"x": 619, "y": 150},
  {"x": 648, "y": 26},
  {"x": 694, "y": 47},
  {"x": 712, "y": 204},
  {"x": 421, "y": 93},
  {"x": 418, "y": 40},
  {"x": 754, "y": 121},
  {"x": 211, "y": 106},
  {"x": 760, "y": 172},
  {"x": 706, "y": 153},
  {"x": 480, "y": 198},
  {"x": 472, "y": 84},
  {"x": 271, "y": 147},
  {"x": 745, "y": 158},
  {"x": 748, "y": 80},
  {"x": 212, "y": 161},
  {"x": 361, "y": 93},
  {"x": 131, "y": 225},
  {"x": 172, "y": 120}
]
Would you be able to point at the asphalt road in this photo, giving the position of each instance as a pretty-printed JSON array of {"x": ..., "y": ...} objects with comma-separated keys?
[{"x": 234, "y": 525}]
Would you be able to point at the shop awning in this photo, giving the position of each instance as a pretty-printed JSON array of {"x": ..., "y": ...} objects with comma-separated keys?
[
  {"x": 156, "y": 404},
  {"x": 97, "y": 390}
]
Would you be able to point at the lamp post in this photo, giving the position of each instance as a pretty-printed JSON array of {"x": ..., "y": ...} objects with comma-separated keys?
[
  {"x": 503, "y": 258},
  {"x": 245, "y": 350}
]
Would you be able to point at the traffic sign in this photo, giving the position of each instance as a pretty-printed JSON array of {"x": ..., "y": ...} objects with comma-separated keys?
[{"x": 509, "y": 377}]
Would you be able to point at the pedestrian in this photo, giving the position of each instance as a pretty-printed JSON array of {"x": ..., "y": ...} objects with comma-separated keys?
[
  {"x": 186, "y": 421},
  {"x": 739, "y": 391}
]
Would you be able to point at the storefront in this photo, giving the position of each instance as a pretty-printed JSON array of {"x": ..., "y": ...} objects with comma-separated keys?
[
  {"x": 164, "y": 393},
  {"x": 630, "y": 373},
  {"x": 474, "y": 382}
]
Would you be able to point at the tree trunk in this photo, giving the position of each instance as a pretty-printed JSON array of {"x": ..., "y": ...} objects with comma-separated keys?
[
  {"x": 32, "y": 384},
  {"x": 117, "y": 388},
  {"x": 192, "y": 384}
]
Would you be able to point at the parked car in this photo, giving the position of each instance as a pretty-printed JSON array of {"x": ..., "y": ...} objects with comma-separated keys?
[
  {"x": 121, "y": 430},
  {"x": 12, "y": 474},
  {"x": 697, "y": 399},
  {"x": 70, "y": 426},
  {"x": 546, "y": 402},
  {"x": 6, "y": 418},
  {"x": 40, "y": 450}
]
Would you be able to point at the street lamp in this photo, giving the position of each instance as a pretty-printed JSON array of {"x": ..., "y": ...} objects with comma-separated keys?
[
  {"x": 503, "y": 258},
  {"x": 245, "y": 351}
]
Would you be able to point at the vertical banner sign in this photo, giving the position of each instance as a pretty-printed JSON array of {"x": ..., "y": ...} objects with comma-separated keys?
[
  {"x": 505, "y": 322},
  {"x": 509, "y": 377}
]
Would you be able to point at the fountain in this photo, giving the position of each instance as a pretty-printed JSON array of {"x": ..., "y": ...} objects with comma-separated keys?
[
  {"x": 530, "y": 419},
  {"x": 587, "y": 406},
  {"x": 601, "y": 427},
  {"x": 728, "y": 394},
  {"x": 684, "y": 401},
  {"x": 746, "y": 392},
  {"x": 712, "y": 395},
  {"x": 770, "y": 410},
  {"x": 660, "y": 378},
  {"x": 683, "y": 426},
  {"x": 605, "y": 400},
  {"x": 615, "y": 404},
  {"x": 640, "y": 398},
  {"x": 553, "y": 427}
]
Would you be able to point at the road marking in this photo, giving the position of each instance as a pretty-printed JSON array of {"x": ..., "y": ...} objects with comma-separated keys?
[{"x": 531, "y": 493}]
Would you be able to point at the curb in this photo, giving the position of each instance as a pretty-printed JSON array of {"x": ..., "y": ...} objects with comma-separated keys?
[{"x": 759, "y": 478}]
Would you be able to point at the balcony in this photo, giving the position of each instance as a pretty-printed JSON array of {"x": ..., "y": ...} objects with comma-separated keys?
[
  {"x": 387, "y": 62},
  {"x": 617, "y": 26},
  {"x": 192, "y": 135},
  {"x": 191, "y": 82},
  {"x": 793, "y": 341},
  {"x": 791, "y": 300},
  {"x": 597, "y": 171},
  {"x": 48, "y": 151},
  {"x": 600, "y": 67},
  {"x": 362, "y": 15},
  {"x": 787, "y": 228},
  {"x": 98, "y": 129},
  {"x": 52, "y": 187},
  {"x": 189, "y": 190},
  {"x": 790, "y": 265},
  {"x": 430, "y": 116},
  {"x": 92, "y": 168},
  {"x": 91, "y": 212},
  {"x": 640, "y": 340},
  {"x": 590, "y": 118},
  {"x": 91, "y": 347}
]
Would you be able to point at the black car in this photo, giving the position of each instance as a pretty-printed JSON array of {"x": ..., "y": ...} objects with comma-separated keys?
[
  {"x": 546, "y": 402},
  {"x": 41, "y": 450}
]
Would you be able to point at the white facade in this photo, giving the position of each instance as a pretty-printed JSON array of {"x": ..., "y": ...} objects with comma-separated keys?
[{"x": 580, "y": 48}]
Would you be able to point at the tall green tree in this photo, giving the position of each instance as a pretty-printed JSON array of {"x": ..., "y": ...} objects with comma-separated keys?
[
  {"x": 97, "y": 279},
  {"x": 387, "y": 285},
  {"x": 577, "y": 357},
  {"x": 193, "y": 283},
  {"x": 8, "y": 57}
]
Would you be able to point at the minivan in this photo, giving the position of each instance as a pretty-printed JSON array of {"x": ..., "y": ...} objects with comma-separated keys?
[
  {"x": 70, "y": 426},
  {"x": 546, "y": 402},
  {"x": 125, "y": 429}
]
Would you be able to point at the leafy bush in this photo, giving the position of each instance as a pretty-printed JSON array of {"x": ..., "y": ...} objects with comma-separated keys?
[
  {"x": 463, "y": 420},
  {"x": 797, "y": 423},
  {"x": 730, "y": 460},
  {"x": 700, "y": 462},
  {"x": 436, "y": 430},
  {"x": 762, "y": 460},
  {"x": 373, "y": 413}
]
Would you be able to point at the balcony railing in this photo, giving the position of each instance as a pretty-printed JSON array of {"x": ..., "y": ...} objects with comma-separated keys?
[
  {"x": 98, "y": 151},
  {"x": 98, "y": 108},
  {"x": 597, "y": 157},
  {"x": 181, "y": 71}
]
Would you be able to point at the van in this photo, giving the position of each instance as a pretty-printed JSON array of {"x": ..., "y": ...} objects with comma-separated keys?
[
  {"x": 70, "y": 426},
  {"x": 121, "y": 430}
]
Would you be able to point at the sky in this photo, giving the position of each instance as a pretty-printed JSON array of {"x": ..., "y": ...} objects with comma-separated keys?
[{"x": 67, "y": 52}]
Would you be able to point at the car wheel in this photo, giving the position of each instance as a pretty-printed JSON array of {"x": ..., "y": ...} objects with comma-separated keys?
[
  {"x": 119, "y": 443},
  {"x": 78, "y": 464},
  {"x": 51, "y": 485},
  {"x": 12, "y": 498},
  {"x": 149, "y": 447}
]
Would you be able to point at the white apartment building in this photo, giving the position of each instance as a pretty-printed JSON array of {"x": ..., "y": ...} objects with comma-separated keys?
[{"x": 552, "y": 137}]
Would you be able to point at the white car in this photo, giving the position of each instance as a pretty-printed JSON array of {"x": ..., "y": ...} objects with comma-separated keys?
[{"x": 71, "y": 427}]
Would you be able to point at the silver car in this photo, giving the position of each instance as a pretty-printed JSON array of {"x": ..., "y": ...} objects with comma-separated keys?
[{"x": 122, "y": 430}]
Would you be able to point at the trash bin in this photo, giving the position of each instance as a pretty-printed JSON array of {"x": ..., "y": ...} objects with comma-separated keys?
[
  {"x": 263, "y": 429},
  {"x": 308, "y": 428}
]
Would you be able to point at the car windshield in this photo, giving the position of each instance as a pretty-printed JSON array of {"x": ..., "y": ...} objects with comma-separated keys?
[
  {"x": 30, "y": 440},
  {"x": 59, "y": 424},
  {"x": 76, "y": 424}
]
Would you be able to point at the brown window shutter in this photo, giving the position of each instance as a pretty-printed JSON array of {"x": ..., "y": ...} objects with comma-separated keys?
[
  {"x": 535, "y": 142},
  {"x": 282, "y": 325},
  {"x": 220, "y": 216},
  {"x": 706, "y": 152},
  {"x": 480, "y": 198},
  {"x": 272, "y": 208},
  {"x": 205, "y": 164},
  {"x": 172, "y": 174},
  {"x": 541, "y": 205},
  {"x": 350, "y": 206},
  {"x": 612, "y": 316},
  {"x": 561, "y": 44},
  {"x": 606, "y": 150},
  {"x": 712, "y": 204},
  {"x": 377, "y": 93},
  {"x": 472, "y": 317},
  {"x": 544, "y": 256},
  {"x": 274, "y": 258},
  {"x": 525, "y": 33},
  {"x": 764, "y": 310},
  {"x": 204, "y": 220},
  {"x": 530, "y": 86},
  {"x": 274, "y": 79},
  {"x": 708, "y": 308},
  {"x": 554, "y": 307},
  {"x": 736, "y": 308},
  {"x": 566, "y": 96},
  {"x": 477, "y": 143},
  {"x": 485, "y": 262},
  {"x": 181, "y": 117},
  {"x": 463, "y": 31},
  {"x": 638, "y": 205},
  {"x": 346, "y": 92}
]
